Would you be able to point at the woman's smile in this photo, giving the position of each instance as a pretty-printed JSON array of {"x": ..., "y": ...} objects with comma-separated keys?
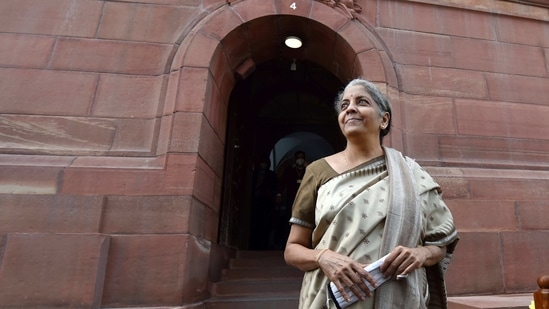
[{"x": 354, "y": 119}]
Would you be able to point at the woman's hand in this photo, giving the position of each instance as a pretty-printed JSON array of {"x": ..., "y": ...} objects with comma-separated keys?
[
  {"x": 402, "y": 260},
  {"x": 345, "y": 272}
]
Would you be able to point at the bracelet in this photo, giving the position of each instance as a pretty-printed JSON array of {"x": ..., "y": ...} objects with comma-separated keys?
[{"x": 317, "y": 259}]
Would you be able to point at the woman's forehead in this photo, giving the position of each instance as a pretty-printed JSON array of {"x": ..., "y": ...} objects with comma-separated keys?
[{"x": 354, "y": 91}]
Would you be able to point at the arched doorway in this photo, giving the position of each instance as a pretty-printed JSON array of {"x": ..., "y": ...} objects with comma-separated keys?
[
  {"x": 246, "y": 74},
  {"x": 273, "y": 105}
]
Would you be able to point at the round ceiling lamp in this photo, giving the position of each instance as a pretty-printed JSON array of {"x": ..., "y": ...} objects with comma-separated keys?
[{"x": 293, "y": 42}]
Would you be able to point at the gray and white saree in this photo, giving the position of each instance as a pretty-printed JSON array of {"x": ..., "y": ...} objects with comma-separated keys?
[{"x": 364, "y": 213}]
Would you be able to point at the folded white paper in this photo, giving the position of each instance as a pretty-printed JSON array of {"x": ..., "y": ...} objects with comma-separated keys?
[{"x": 373, "y": 269}]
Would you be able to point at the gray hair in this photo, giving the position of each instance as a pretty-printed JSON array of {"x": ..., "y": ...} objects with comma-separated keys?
[{"x": 383, "y": 104}]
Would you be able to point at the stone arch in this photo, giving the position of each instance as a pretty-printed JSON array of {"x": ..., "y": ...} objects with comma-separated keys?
[{"x": 226, "y": 45}]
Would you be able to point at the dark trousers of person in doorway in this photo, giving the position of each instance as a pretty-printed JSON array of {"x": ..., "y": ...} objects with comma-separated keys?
[{"x": 261, "y": 224}]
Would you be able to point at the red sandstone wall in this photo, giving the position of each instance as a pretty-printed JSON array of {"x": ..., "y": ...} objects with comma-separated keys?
[
  {"x": 102, "y": 143},
  {"x": 97, "y": 199}
]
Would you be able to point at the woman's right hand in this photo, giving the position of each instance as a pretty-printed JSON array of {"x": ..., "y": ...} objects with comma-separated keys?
[
  {"x": 345, "y": 272},
  {"x": 340, "y": 269}
]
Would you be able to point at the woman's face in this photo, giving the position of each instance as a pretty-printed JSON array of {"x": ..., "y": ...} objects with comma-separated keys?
[{"x": 359, "y": 114}]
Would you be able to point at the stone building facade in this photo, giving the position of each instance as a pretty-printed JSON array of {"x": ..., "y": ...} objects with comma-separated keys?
[{"x": 129, "y": 130}]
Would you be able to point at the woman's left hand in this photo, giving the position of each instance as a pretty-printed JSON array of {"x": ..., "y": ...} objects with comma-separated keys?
[{"x": 402, "y": 260}]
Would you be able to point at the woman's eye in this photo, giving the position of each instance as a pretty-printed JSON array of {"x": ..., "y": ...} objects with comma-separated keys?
[
  {"x": 363, "y": 102},
  {"x": 344, "y": 105}
]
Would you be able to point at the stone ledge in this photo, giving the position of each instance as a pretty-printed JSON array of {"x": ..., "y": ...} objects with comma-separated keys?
[
  {"x": 24, "y": 160},
  {"x": 527, "y": 9},
  {"x": 502, "y": 301},
  {"x": 490, "y": 173}
]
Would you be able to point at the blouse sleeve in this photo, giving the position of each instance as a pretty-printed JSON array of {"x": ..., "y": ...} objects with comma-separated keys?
[{"x": 303, "y": 209}]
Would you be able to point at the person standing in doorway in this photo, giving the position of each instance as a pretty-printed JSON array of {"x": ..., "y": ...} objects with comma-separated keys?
[
  {"x": 265, "y": 185},
  {"x": 288, "y": 185}
]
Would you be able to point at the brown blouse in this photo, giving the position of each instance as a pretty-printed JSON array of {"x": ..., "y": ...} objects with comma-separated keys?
[{"x": 317, "y": 173}]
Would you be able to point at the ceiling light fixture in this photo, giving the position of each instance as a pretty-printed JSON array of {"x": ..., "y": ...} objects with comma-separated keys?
[{"x": 293, "y": 42}]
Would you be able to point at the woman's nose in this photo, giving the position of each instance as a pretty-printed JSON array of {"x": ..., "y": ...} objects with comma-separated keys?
[{"x": 351, "y": 108}]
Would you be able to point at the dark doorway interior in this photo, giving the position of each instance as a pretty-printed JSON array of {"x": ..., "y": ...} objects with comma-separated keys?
[{"x": 281, "y": 103}]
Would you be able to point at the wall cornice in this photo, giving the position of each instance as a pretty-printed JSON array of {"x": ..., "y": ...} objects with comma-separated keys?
[
  {"x": 532, "y": 9},
  {"x": 541, "y": 3}
]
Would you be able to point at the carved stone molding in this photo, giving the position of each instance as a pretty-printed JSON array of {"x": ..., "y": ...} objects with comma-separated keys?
[{"x": 349, "y": 7}]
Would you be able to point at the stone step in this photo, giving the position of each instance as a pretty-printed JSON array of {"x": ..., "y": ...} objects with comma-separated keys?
[
  {"x": 257, "y": 262},
  {"x": 505, "y": 301},
  {"x": 270, "y": 302},
  {"x": 287, "y": 286},
  {"x": 243, "y": 273},
  {"x": 502, "y": 301},
  {"x": 258, "y": 259},
  {"x": 254, "y": 254},
  {"x": 156, "y": 307},
  {"x": 256, "y": 279}
]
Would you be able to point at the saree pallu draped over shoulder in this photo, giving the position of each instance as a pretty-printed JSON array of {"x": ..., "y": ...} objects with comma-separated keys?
[{"x": 366, "y": 212}]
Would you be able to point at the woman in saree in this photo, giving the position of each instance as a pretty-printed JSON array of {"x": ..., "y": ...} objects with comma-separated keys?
[{"x": 363, "y": 203}]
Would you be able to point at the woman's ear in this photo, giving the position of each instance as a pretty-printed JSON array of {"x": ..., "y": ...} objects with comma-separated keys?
[{"x": 385, "y": 121}]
